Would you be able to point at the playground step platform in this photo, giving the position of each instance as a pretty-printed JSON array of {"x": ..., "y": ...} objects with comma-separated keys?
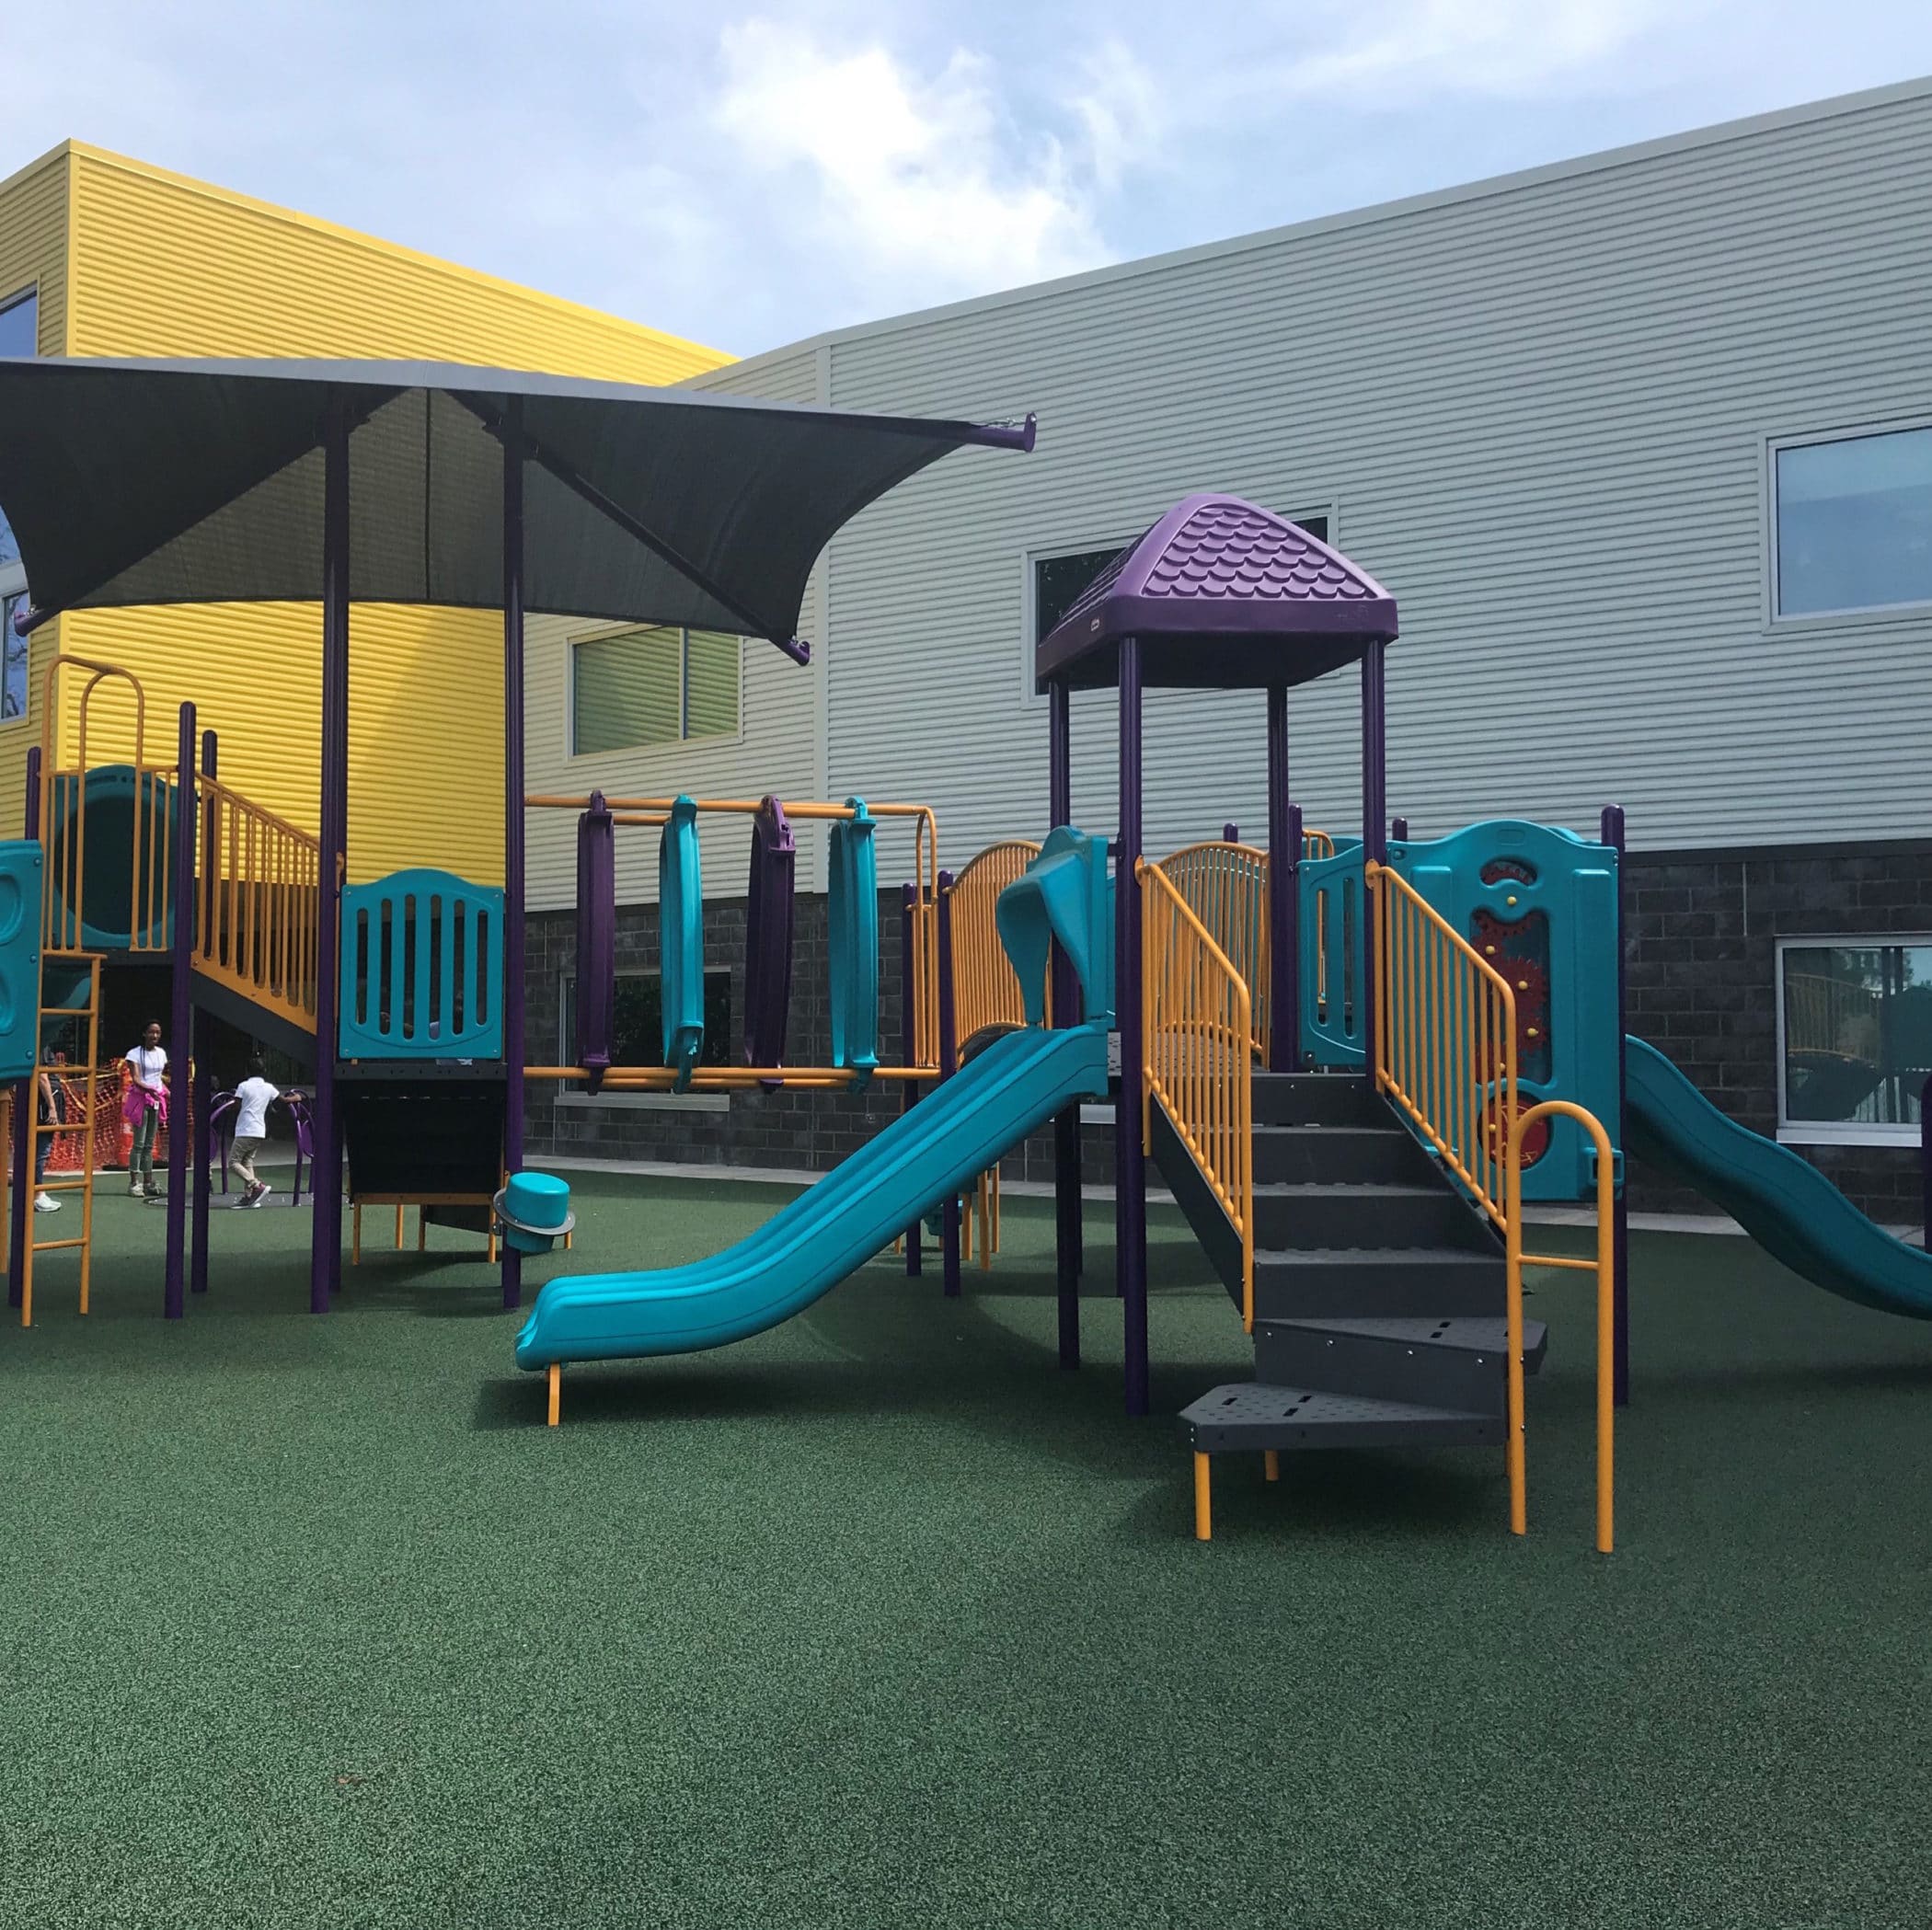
[
  {"x": 1343, "y": 1282},
  {"x": 1374, "y": 1214},
  {"x": 1317, "y": 1100},
  {"x": 1343, "y": 1155},
  {"x": 1253, "y": 1417},
  {"x": 1451, "y": 1362}
]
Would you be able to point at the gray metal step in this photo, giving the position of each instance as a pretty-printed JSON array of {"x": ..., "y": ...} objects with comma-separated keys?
[
  {"x": 1317, "y": 1100},
  {"x": 1378, "y": 1214},
  {"x": 1345, "y": 1154},
  {"x": 1449, "y": 1361},
  {"x": 1245, "y": 1415},
  {"x": 1340, "y": 1283}
]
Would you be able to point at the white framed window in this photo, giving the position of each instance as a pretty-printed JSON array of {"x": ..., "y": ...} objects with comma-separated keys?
[
  {"x": 1850, "y": 523},
  {"x": 1854, "y": 1038},
  {"x": 12, "y": 662},
  {"x": 1052, "y": 577},
  {"x": 654, "y": 684}
]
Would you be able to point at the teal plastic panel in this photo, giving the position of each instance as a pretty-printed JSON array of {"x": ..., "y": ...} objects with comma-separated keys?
[
  {"x": 681, "y": 941},
  {"x": 19, "y": 957},
  {"x": 1334, "y": 973},
  {"x": 1540, "y": 903},
  {"x": 422, "y": 968},
  {"x": 1065, "y": 893},
  {"x": 123, "y": 827},
  {"x": 852, "y": 910}
]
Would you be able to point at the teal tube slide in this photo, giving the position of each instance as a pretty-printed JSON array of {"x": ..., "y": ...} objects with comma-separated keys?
[
  {"x": 957, "y": 1131},
  {"x": 1785, "y": 1204}
]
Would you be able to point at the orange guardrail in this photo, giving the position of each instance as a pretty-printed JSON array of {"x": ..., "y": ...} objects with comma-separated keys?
[
  {"x": 1318, "y": 844},
  {"x": 1226, "y": 886},
  {"x": 985, "y": 989},
  {"x": 1445, "y": 1054},
  {"x": 1198, "y": 1030},
  {"x": 256, "y": 923}
]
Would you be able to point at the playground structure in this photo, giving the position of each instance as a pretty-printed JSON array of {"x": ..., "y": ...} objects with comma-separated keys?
[{"x": 1352, "y": 1059}]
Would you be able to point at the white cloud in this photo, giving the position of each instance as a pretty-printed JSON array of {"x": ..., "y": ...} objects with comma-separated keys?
[
  {"x": 1500, "y": 47},
  {"x": 917, "y": 183}
]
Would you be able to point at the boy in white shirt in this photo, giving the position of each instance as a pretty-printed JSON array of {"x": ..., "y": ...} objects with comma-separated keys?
[
  {"x": 148, "y": 1063},
  {"x": 251, "y": 1128}
]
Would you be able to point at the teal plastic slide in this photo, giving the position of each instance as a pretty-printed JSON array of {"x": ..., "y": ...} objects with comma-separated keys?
[
  {"x": 955, "y": 1133},
  {"x": 1785, "y": 1205}
]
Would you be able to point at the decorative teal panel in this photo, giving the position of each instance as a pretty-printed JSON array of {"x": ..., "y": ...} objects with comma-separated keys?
[{"x": 422, "y": 968}]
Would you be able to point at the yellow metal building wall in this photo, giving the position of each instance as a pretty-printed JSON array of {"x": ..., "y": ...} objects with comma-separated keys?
[
  {"x": 33, "y": 254},
  {"x": 165, "y": 265}
]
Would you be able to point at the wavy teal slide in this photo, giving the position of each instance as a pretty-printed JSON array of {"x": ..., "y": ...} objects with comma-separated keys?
[
  {"x": 1785, "y": 1204},
  {"x": 957, "y": 1131}
]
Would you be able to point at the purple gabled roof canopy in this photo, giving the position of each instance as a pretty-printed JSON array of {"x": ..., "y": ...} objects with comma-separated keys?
[{"x": 1222, "y": 595}]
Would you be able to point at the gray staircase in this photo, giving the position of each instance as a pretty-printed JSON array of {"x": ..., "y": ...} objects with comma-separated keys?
[{"x": 1379, "y": 1289}]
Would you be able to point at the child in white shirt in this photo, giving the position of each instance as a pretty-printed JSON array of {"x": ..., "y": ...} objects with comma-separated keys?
[
  {"x": 145, "y": 1104},
  {"x": 251, "y": 1128}
]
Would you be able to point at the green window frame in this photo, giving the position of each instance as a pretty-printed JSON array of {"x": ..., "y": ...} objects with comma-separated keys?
[{"x": 659, "y": 683}]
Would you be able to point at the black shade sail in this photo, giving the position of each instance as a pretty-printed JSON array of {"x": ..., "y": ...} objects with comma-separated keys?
[{"x": 167, "y": 482}]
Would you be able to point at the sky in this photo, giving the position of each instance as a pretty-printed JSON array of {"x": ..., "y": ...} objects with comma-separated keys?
[{"x": 745, "y": 175}]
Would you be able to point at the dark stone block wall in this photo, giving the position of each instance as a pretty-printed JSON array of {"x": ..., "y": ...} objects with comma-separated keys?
[
  {"x": 1701, "y": 968},
  {"x": 1701, "y": 980}
]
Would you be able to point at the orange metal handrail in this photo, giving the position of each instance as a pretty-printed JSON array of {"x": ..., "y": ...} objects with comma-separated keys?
[
  {"x": 1604, "y": 1267},
  {"x": 256, "y": 924},
  {"x": 1197, "y": 1030},
  {"x": 1445, "y": 1037},
  {"x": 1318, "y": 844},
  {"x": 1226, "y": 886},
  {"x": 985, "y": 988},
  {"x": 1445, "y": 1054}
]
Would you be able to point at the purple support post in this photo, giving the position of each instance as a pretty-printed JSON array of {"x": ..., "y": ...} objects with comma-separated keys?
[
  {"x": 1374, "y": 825},
  {"x": 26, "y": 1108},
  {"x": 180, "y": 1130},
  {"x": 908, "y": 1033},
  {"x": 1284, "y": 861},
  {"x": 949, "y": 1066},
  {"x": 1613, "y": 836},
  {"x": 1230, "y": 833},
  {"x": 1067, "y": 1256},
  {"x": 514, "y": 1057},
  {"x": 1130, "y": 1157},
  {"x": 325, "y": 1264},
  {"x": 1398, "y": 830},
  {"x": 596, "y": 939},
  {"x": 203, "y": 1101}
]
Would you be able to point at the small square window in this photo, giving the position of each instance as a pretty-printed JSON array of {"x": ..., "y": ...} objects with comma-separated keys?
[
  {"x": 13, "y": 678},
  {"x": 1854, "y": 1020},
  {"x": 1853, "y": 519}
]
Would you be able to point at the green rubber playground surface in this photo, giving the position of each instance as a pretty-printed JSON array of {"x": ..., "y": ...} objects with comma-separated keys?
[{"x": 878, "y": 1620}]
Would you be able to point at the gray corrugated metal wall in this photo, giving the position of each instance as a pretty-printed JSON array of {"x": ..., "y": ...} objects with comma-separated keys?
[
  {"x": 1538, "y": 411},
  {"x": 1536, "y": 408}
]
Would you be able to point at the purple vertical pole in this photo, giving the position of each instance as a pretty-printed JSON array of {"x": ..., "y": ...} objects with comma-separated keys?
[
  {"x": 1066, "y": 1000},
  {"x": 1129, "y": 1158},
  {"x": 1230, "y": 833},
  {"x": 180, "y": 1128},
  {"x": 204, "y": 1100},
  {"x": 1374, "y": 827},
  {"x": 908, "y": 1027},
  {"x": 1398, "y": 830},
  {"x": 1284, "y": 860},
  {"x": 325, "y": 1266},
  {"x": 514, "y": 1057},
  {"x": 1613, "y": 836},
  {"x": 26, "y": 1093},
  {"x": 949, "y": 1066}
]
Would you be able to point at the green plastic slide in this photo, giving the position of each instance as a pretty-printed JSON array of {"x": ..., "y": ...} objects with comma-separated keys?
[{"x": 1785, "y": 1204}]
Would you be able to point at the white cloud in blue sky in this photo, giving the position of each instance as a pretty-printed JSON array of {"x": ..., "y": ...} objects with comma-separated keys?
[{"x": 745, "y": 175}]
